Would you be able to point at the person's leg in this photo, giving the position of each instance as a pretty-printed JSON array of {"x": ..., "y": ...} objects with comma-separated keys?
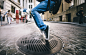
[
  {"x": 1, "y": 20},
  {"x": 9, "y": 19},
  {"x": 23, "y": 20},
  {"x": 40, "y": 8},
  {"x": 82, "y": 20}
]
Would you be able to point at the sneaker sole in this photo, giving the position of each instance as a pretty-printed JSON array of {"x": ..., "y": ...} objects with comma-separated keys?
[{"x": 48, "y": 33}]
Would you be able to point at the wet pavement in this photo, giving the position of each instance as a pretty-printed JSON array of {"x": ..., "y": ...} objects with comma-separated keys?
[{"x": 72, "y": 36}]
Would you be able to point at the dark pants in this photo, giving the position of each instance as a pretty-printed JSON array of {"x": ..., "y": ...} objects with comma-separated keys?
[
  {"x": 81, "y": 20},
  {"x": 1, "y": 19}
]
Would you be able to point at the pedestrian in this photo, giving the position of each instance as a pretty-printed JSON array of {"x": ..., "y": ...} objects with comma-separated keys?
[
  {"x": 1, "y": 16},
  {"x": 6, "y": 16},
  {"x": 21, "y": 18},
  {"x": 41, "y": 8},
  {"x": 9, "y": 16},
  {"x": 24, "y": 19},
  {"x": 81, "y": 15}
]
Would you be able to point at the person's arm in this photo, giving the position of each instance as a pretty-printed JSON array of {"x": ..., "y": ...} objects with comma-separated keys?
[
  {"x": 5, "y": 14},
  {"x": 83, "y": 13}
]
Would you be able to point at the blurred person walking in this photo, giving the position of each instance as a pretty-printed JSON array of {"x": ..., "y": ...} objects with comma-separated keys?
[
  {"x": 6, "y": 16},
  {"x": 9, "y": 16},
  {"x": 1, "y": 16},
  {"x": 81, "y": 15}
]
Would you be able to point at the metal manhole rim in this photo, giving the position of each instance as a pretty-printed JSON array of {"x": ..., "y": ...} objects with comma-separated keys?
[{"x": 57, "y": 51}]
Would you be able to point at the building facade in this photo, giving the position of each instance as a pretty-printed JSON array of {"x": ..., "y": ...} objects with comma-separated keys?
[
  {"x": 31, "y": 5},
  {"x": 14, "y": 5},
  {"x": 9, "y": 5},
  {"x": 67, "y": 12},
  {"x": 28, "y": 5}
]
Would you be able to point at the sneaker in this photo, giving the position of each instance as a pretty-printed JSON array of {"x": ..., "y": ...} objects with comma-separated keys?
[{"x": 46, "y": 33}]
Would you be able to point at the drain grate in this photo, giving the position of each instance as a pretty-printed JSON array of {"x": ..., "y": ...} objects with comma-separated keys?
[
  {"x": 35, "y": 45},
  {"x": 38, "y": 46}
]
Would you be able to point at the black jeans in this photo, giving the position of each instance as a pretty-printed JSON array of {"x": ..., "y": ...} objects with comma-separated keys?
[{"x": 81, "y": 20}]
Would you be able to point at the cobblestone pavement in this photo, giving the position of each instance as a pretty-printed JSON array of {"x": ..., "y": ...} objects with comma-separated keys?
[{"x": 73, "y": 37}]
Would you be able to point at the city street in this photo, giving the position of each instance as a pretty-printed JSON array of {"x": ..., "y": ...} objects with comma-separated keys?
[{"x": 72, "y": 36}]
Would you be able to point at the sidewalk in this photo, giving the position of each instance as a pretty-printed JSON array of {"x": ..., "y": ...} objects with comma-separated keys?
[
  {"x": 73, "y": 23},
  {"x": 13, "y": 23},
  {"x": 3, "y": 23}
]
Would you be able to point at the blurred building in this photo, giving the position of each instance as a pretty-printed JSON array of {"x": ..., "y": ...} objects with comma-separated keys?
[
  {"x": 28, "y": 5},
  {"x": 9, "y": 5},
  {"x": 67, "y": 12},
  {"x": 14, "y": 5}
]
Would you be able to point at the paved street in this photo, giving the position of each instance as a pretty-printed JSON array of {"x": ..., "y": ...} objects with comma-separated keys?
[{"x": 73, "y": 37}]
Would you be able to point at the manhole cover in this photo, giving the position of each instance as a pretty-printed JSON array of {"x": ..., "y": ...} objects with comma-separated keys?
[
  {"x": 3, "y": 52},
  {"x": 35, "y": 44}
]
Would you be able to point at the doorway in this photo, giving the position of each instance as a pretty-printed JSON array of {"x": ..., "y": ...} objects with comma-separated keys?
[
  {"x": 68, "y": 17},
  {"x": 60, "y": 18}
]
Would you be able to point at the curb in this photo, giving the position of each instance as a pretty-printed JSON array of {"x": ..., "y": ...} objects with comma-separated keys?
[{"x": 72, "y": 23}]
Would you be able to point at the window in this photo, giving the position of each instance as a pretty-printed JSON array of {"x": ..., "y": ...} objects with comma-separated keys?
[
  {"x": 19, "y": 1},
  {"x": 31, "y": 1},
  {"x": 13, "y": 9},
  {"x": 29, "y": 6},
  {"x": 23, "y": 3},
  {"x": 2, "y": 4},
  {"x": 19, "y": 12},
  {"x": 62, "y": 6}
]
